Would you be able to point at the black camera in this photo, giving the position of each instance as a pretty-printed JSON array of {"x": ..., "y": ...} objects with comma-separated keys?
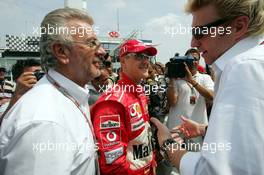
[
  {"x": 39, "y": 74},
  {"x": 175, "y": 68}
]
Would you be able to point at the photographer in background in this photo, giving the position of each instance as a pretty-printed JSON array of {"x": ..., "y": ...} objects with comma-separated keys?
[
  {"x": 187, "y": 96},
  {"x": 25, "y": 73},
  {"x": 196, "y": 54},
  {"x": 6, "y": 90},
  {"x": 186, "y": 93}
]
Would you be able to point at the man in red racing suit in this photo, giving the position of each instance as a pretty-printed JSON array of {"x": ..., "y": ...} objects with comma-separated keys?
[{"x": 121, "y": 120}]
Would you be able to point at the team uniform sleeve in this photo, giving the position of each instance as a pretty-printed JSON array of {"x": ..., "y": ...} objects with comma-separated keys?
[{"x": 111, "y": 132}]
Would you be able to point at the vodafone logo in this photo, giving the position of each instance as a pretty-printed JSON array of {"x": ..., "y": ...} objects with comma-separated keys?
[{"x": 111, "y": 136}]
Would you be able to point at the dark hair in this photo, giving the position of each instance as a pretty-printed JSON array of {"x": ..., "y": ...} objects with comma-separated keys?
[
  {"x": 20, "y": 65},
  {"x": 2, "y": 69}
]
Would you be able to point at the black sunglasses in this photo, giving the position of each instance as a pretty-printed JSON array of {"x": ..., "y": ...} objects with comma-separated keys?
[
  {"x": 140, "y": 56},
  {"x": 198, "y": 32}
]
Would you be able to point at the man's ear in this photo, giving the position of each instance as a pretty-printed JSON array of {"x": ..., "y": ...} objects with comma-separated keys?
[
  {"x": 241, "y": 27},
  {"x": 122, "y": 59},
  {"x": 60, "y": 52}
]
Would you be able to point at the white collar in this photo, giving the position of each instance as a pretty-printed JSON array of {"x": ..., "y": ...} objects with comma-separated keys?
[
  {"x": 237, "y": 49},
  {"x": 79, "y": 93}
]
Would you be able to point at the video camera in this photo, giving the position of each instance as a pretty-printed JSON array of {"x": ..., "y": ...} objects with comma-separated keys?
[{"x": 175, "y": 68}]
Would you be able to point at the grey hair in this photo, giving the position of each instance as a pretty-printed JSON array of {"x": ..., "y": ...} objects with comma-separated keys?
[
  {"x": 254, "y": 9},
  {"x": 57, "y": 19}
]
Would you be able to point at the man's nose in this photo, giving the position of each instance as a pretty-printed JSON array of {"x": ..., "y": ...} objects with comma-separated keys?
[
  {"x": 195, "y": 42},
  {"x": 100, "y": 52}
]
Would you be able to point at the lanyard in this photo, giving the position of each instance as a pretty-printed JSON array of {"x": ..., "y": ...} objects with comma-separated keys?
[{"x": 77, "y": 104}]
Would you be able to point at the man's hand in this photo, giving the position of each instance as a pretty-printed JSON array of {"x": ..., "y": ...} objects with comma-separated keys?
[
  {"x": 177, "y": 137},
  {"x": 25, "y": 82},
  {"x": 163, "y": 131},
  {"x": 190, "y": 128},
  {"x": 174, "y": 154},
  {"x": 188, "y": 77}
]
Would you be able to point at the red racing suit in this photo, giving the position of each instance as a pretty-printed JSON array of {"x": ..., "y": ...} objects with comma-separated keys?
[{"x": 121, "y": 125}]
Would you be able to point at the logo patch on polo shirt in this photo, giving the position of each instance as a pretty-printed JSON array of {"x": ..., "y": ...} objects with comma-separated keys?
[
  {"x": 135, "y": 110},
  {"x": 109, "y": 121},
  {"x": 110, "y": 138},
  {"x": 137, "y": 125},
  {"x": 111, "y": 156}
]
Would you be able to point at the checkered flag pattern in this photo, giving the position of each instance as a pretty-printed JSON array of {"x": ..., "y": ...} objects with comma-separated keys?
[{"x": 22, "y": 44}]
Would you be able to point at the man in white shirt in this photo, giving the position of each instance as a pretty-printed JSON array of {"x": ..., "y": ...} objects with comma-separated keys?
[
  {"x": 234, "y": 140},
  {"x": 48, "y": 130}
]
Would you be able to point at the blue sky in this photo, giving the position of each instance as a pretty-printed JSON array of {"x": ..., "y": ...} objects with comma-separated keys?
[{"x": 154, "y": 18}]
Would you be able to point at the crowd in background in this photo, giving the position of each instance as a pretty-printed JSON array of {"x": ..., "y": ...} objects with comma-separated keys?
[{"x": 24, "y": 74}]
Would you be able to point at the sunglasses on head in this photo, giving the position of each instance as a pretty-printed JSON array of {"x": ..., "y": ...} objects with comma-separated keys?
[{"x": 198, "y": 32}]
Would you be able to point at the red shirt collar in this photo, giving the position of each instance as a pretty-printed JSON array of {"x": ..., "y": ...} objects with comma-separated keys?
[{"x": 127, "y": 83}]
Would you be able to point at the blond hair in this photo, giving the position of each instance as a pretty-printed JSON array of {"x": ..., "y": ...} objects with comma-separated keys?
[{"x": 254, "y": 9}]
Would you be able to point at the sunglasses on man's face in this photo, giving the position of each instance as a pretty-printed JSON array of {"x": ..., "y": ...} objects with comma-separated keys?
[
  {"x": 140, "y": 56},
  {"x": 198, "y": 32}
]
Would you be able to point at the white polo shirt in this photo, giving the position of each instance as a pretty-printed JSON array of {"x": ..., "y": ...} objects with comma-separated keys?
[
  {"x": 235, "y": 137},
  {"x": 45, "y": 133}
]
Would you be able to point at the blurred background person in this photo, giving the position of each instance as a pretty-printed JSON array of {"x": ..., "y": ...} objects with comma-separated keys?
[
  {"x": 98, "y": 86},
  {"x": 7, "y": 89},
  {"x": 25, "y": 73},
  {"x": 208, "y": 70},
  {"x": 109, "y": 66},
  {"x": 187, "y": 96}
]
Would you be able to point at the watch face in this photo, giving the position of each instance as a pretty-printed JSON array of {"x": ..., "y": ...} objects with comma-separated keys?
[{"x": 167, "y": 143}]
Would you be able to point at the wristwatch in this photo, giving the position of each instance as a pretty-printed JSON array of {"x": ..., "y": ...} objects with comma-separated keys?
[{"x": 166, "y": 146}]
